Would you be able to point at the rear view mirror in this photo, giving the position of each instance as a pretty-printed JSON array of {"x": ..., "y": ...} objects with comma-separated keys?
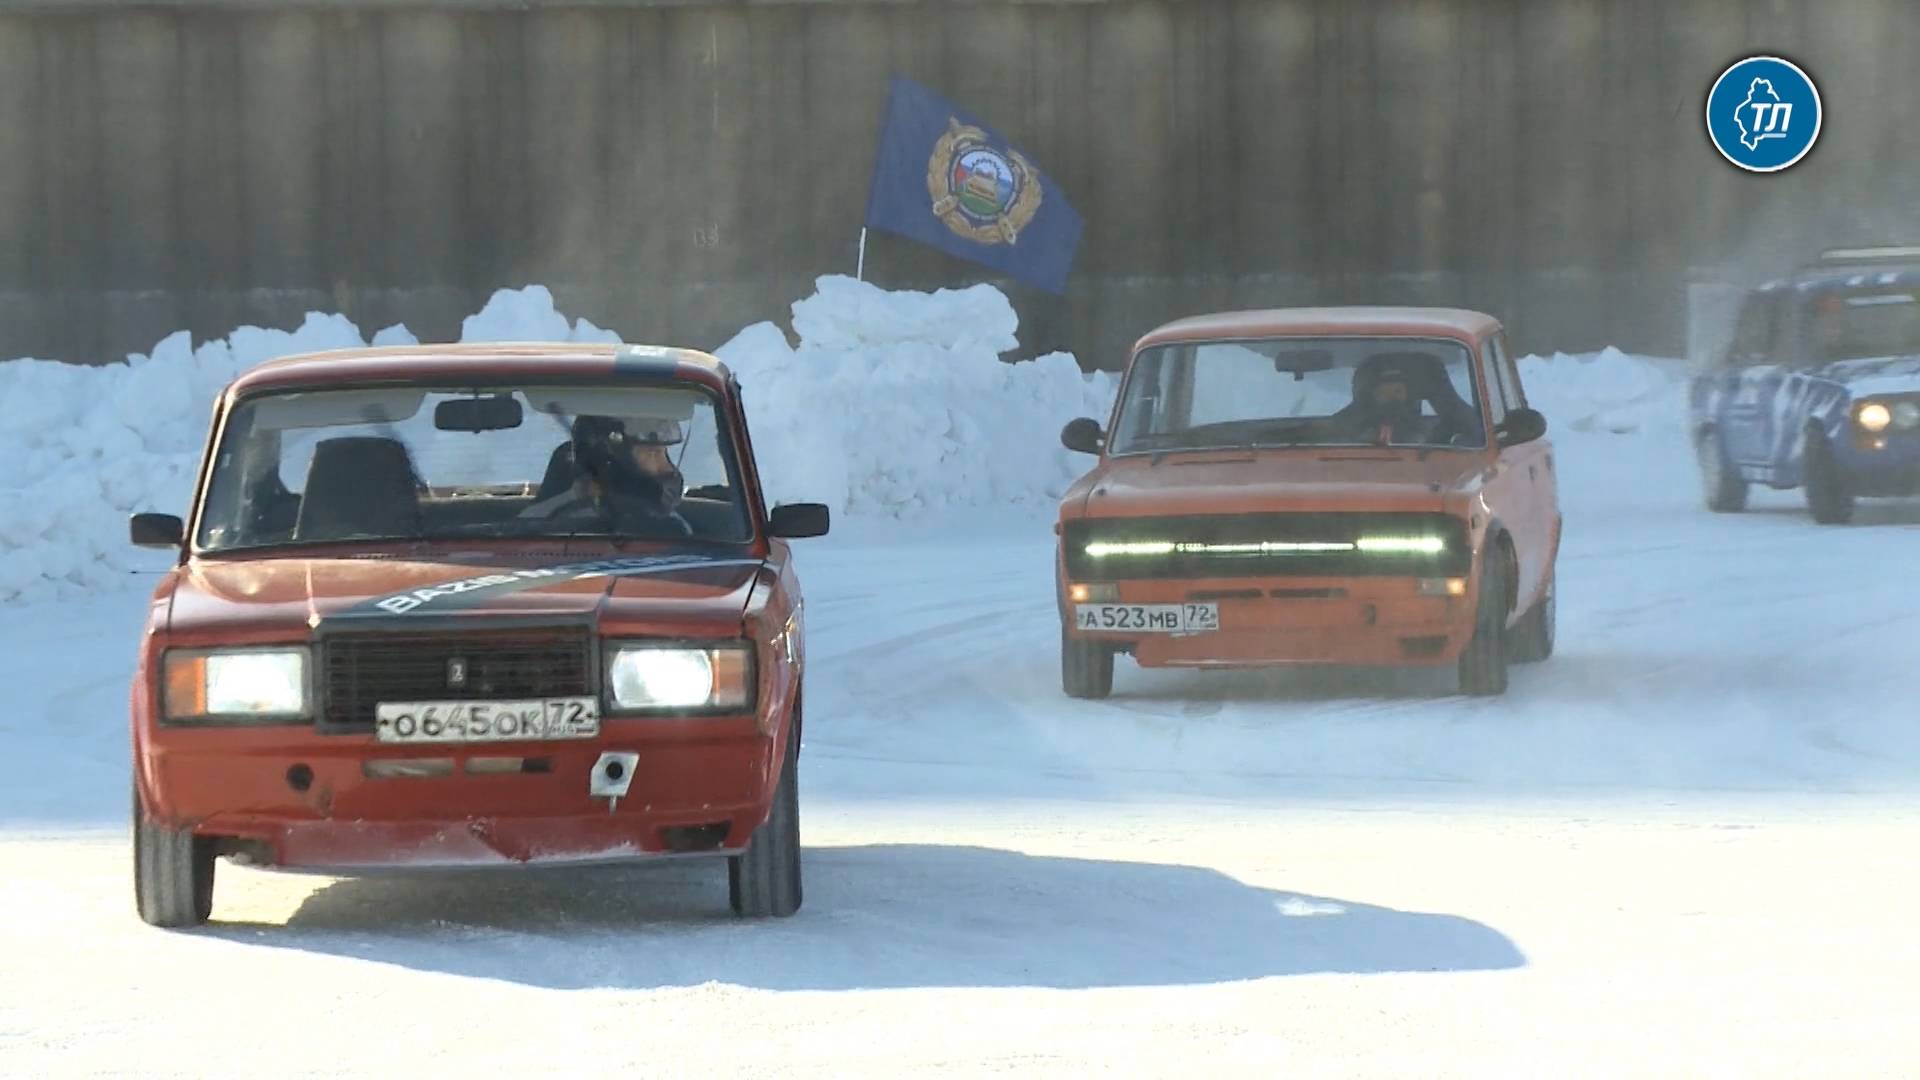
[
  {"x": 1298, "y": 362},
  {"x": 1083, "y": 436},
  {"x": 797, "y": 521},
  {"x": 1522, "y": 426},
  {"x": 157, "y": 530},
  {"x": 497, "y": 413}
]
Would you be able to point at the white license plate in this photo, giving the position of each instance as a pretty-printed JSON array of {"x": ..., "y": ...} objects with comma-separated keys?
[
  {"x": 486, "y": 721},
  {"x": 1148, "y": 618}
]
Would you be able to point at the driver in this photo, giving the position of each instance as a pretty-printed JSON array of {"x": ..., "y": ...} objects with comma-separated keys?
[
  {"x": 624, "y": 470},
  {"x": 1385, "y": 408}
]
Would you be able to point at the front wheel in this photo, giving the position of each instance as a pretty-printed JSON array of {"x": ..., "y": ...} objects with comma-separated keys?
[
  {"x": 172, "y": 873},
  {"x": 1726, "y": 491},
  {"x": 1533, "y": 638},
  {"x": 1828, "y": 497},
  {"x": 1483, "y": 665},
  {"x": 764, "y": 880},
  {"x": 1086, "y": 667}
]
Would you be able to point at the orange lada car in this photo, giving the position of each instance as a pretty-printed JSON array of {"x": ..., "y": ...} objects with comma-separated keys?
[
  {"x": 1350, "y": 486},
  {"x": 470, "y": 606}
]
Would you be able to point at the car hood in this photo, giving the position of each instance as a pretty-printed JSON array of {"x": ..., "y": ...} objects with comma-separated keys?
[
  {"x": 1881, "y": 375},
  {"x": 677, "y": 591},
  {"x": 1270, "y": 481}
]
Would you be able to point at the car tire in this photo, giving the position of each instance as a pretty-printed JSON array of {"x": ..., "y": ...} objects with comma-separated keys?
[
  {"x": 1532, "y": 640},
  {"x": 764, "y": 881},
  {"x": 1086, "y": 667},
  {"x": 1483, "y": 664},
  {"x": 1828, "y": 498},
  {"x": 172, "y": 873},
  {"x": 1726, "y": 492}
]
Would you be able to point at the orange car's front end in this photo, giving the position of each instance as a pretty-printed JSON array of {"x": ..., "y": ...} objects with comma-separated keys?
[
  {"x": 342, "y": 785},
  {"x": 1208, "y": 571}
]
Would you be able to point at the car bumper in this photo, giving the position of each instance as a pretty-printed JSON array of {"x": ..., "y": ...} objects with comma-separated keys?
[
  {"x": 305, "y": 801},
  {"x": 1886, "y": 464},
  {"x": 1271, "y": 622}
]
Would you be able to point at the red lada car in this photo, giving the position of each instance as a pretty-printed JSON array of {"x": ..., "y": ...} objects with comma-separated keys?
[
  {"x": 472, "y": 605},
  {"x": 1360, "y": 486}
]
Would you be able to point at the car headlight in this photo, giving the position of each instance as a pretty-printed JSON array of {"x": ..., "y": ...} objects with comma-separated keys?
[
  {"x": 235, "y": 685},
  {"x": 651, "y": 677},
  {"x": 1906, "y": 415},
  {"x": 1873, "y": 416}
]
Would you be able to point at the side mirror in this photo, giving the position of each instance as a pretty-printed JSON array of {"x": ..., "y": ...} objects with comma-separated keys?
[
  {"x": 797, "y": 521},
  {"x": 1521, "y": 426},
  {"x": 157, "y": 530},
  {"x": 1083, "y": 436}
]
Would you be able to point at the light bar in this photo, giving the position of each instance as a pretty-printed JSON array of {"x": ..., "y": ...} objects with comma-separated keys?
[
  {"x": 1372, "y": 545},
  {"x": 1402, "y": 545},
  {"x": 1152, "y": 547}
]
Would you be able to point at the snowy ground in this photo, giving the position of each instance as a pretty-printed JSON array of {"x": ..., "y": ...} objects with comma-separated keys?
[{"x": 1682, "y": 847}]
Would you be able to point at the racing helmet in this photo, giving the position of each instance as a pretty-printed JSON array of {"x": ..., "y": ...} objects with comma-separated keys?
[
  {"x": 603, "y": 448},
  {"x": 655, "y": 431},
  {"x": 1417, "y": 371}
]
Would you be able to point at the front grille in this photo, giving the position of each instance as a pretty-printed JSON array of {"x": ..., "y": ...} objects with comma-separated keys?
[
  {"x": 360, "y": 670},
  {"x": 1267, "y": 545}
]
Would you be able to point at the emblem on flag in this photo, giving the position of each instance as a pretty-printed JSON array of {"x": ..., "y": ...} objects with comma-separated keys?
[{"x": 979, "y": 192}]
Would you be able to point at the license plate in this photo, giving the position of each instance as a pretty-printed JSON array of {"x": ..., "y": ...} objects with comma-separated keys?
[
  {"x": 486, "y": 721},
  {"x": 1148, "y": 618}
]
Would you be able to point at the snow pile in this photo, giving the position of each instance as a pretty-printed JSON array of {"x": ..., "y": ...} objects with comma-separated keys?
[
  {"x": 1608, "y": 392},
  {"x": 845, "y": 314},
  {"x": 895, "y": 403},
  {"x": 89, "y": 445},
  {"x": 891, "y": 405},
  {"x": 525, "y": 315}
]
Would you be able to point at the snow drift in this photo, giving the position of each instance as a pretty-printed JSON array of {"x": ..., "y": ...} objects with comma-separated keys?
[
  {"x": 888, "y": 405},
  {"x": 898, "y": 402}
]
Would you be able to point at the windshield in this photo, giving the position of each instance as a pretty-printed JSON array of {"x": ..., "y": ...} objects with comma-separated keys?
[
  {"x": 1858, "y": 325},
  {"x": 1300, "y": 392},
  {"x": 492, "y": 460}
]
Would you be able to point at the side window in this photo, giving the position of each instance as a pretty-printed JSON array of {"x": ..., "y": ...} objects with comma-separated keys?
[
  {"x": 1753, "y": 333},
  {"x": 1496, "y": 390},
  {"x": 1510, "y": 388}
]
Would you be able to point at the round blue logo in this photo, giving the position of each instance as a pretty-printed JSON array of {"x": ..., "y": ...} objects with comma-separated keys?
[{"x": 1763, "y": 114}]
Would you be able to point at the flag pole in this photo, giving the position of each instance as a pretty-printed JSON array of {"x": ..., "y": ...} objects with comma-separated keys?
[{"x": 860, "y": 267}]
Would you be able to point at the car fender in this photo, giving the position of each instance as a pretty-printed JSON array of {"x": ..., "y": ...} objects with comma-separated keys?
[{"x": 1497, "y": 535}]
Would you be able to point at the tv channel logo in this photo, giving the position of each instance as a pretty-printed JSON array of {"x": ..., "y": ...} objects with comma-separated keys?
[{"x": 1763, "y": 114}]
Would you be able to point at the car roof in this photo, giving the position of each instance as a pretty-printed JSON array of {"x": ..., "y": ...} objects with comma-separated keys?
[
  {"x": 1830, "y": 279},
  {"x": 1325, "y": 322},
  {"x": 503, "y": 360}
]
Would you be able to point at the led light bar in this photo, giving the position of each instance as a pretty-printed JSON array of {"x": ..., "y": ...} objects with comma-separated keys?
[
  {"x": 1402, "y": 545},
  {"x": 1372, "y": 545}
]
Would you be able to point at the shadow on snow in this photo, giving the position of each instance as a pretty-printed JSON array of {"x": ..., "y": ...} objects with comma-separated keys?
[{"x": 883, "y": 916}]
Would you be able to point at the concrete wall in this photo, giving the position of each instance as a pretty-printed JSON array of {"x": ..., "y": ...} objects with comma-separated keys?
[{"x": 677, "y": 170}]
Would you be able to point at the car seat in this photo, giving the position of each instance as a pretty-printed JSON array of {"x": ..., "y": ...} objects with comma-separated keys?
[
  {"x": 559, "y": 475},
  {"x": 359, "y": 486}
]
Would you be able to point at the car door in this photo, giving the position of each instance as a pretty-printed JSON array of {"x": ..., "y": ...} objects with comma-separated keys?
[
  {"x": 1792, "y": 400},
  {"x": 1751, "y": 383},
  {"x": 1529, "y": 471}
]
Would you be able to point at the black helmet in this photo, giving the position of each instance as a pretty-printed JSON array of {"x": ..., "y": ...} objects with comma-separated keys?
[
  {"x": 655, "y": 431},
  {"x": 602, "y": 448},
  {"x": 598, "y": 445},
  {"x": 1417, "y": 370}
]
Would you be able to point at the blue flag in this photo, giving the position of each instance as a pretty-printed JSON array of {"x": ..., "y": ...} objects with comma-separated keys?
[{"x": 945, "y": 179}]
